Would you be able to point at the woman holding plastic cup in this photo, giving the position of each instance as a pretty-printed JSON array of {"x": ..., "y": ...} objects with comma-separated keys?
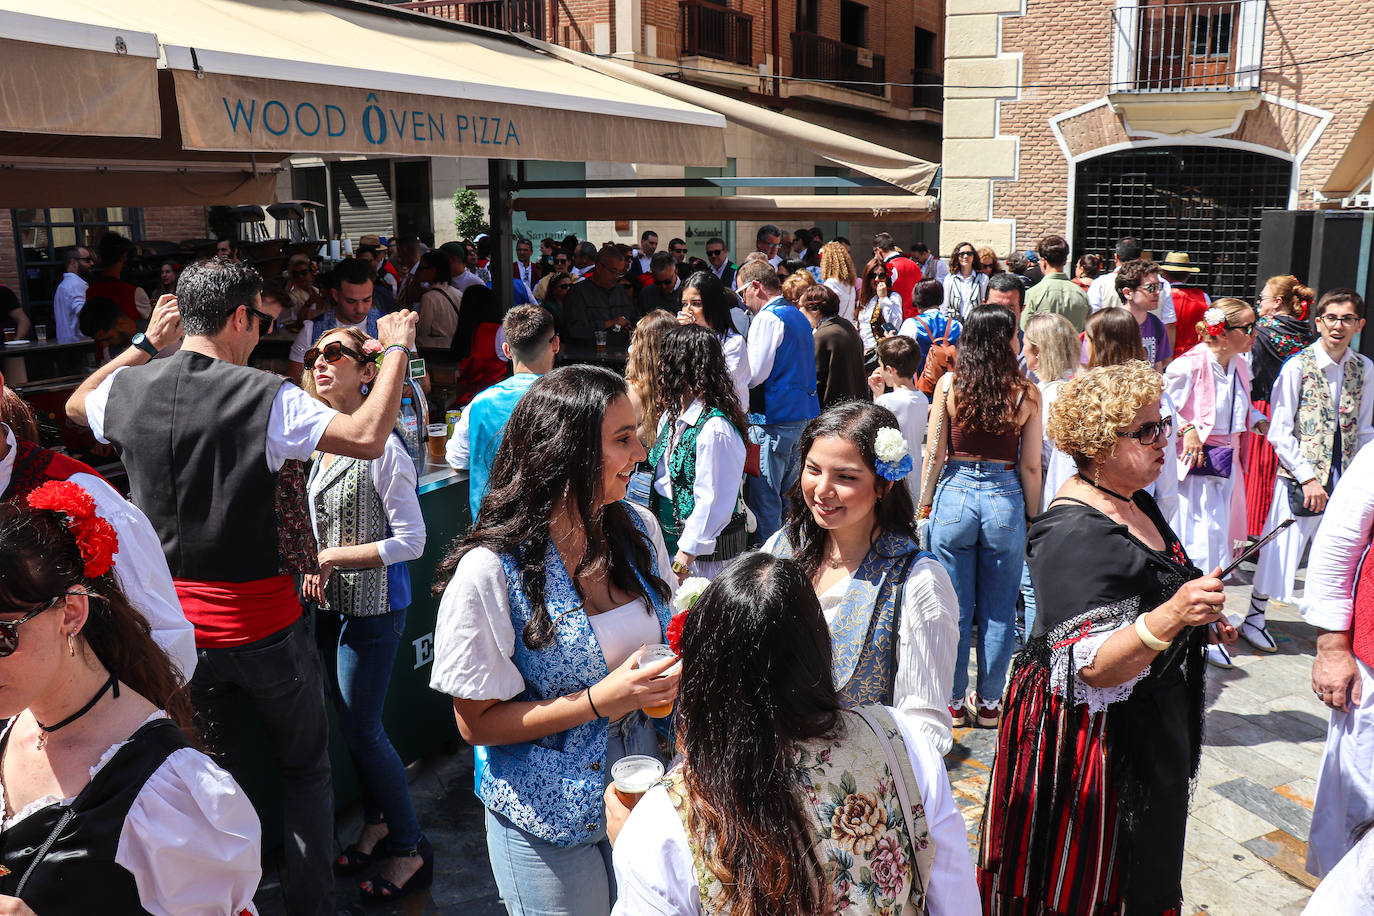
[{"x": 548, "y": 606}]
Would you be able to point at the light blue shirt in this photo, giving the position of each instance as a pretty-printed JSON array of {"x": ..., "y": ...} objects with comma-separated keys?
[{"x": 67, "y": 303}]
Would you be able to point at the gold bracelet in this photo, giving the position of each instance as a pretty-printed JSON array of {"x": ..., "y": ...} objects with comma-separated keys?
[{"x": 1151, "y": 641}]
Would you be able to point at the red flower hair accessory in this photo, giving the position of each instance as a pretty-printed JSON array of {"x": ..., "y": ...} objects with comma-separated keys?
[
  {"x": 687, "y": 594},
  {"x": 95, "y": 537}
]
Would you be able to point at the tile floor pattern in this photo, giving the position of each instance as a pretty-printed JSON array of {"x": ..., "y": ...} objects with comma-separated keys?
[{"x": 1247, "y": 830}]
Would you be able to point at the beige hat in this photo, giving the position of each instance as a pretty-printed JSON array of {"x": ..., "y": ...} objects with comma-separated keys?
[
  {"x": 373, "y": 240},
  {"x": 1177, "y": 263}
]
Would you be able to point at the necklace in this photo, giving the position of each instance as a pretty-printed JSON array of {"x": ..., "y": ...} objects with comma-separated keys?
[
  {"x": 1098, "y": 486},
  {"x": 49, "y": 729}
]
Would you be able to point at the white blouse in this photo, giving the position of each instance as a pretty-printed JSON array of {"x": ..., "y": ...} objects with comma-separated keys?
[
  {"x": 191, "y": 839},
  {"x": 719, "y": 471},
  {"x": 655, "y": 872},
  {"x": 474, "y": 638},
  {"x": 847, "y": 293},
  {"x": 1178, "y": 385},
  {"x": 892, "y": 316},
  {"x": 737, "y": 361},
  {"x": 622, "y": 630},
  {"x": 393, "y": 476}
]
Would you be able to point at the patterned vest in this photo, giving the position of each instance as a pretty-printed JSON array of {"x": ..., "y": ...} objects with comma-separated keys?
[
  {"x": 350, "y": 512},
  {"x": 864, "y": 630},
  {"x": 1315, "y": 424},
  {"x": 682, "y": 471},
  {"x": 35, "y": 466},
  {"x": 869, "y": 858}
]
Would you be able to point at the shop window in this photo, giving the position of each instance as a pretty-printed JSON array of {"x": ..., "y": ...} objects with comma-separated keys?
[{"x": 41, "y": 235}]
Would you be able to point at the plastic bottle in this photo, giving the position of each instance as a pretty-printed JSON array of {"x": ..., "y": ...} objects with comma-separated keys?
[{"x": 409, "y": 425}]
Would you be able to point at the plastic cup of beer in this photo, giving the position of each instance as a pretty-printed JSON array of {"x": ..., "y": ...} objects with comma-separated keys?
[
  {"x": 12, "y": 333},
  {"x": 657, "y": 654},
  {"x": 600, "y": 341},
  {"x": 634, "y": 775},
  {"x": 437, "y": 434},
  {"x": 41, "y": 332}
]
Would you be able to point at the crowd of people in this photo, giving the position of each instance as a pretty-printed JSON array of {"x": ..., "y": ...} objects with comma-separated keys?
[{"x": 824, "y": 479}]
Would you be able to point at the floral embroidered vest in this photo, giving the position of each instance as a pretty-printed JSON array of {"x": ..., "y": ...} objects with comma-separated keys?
[
  {"x": 682, "y": 471},
  {"x": 865, "y": 628},
  {"x": 552, "y": 786},
  {"x": 349, "y": 512},
  {"x": 871, "y": 861},
  {"x": 35, "y": 466},
  {"x": 1315, "y": 424}
]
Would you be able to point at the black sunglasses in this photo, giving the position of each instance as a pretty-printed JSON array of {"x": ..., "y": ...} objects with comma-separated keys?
[
  {"x": 332, "y": 353},
  {"x": 1150, "y": 433},
  {"x": 9, "y": 629},
  {"x": 265, "y": 321},
  {"x": 713, "y": 252},
  {"x": 1246, "y": 329}
]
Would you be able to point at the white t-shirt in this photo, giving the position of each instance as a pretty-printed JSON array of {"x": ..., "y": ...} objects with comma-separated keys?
[
  {"x": 847, "y": 294},
  {"x": 910, "y": 407}
]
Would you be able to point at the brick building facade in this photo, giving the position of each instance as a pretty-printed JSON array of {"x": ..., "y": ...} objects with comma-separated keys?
[{"x": 1173, "y": 122}]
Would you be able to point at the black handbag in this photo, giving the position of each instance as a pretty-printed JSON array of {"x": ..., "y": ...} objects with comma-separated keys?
[{"x": 1296, "y": 502}]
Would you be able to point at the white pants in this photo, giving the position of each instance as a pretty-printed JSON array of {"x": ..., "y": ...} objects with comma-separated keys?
[
  {"x": 1345, "y": 787},
  {"x": 1277, "y": 566},
  {"x": 1203, "y": 521}
]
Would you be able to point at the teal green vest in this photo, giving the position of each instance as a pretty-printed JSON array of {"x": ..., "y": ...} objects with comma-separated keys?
[{"x": 682, "y": 472}]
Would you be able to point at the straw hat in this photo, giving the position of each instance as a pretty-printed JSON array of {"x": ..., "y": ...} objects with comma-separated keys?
[{"x": 1177, "y": 263}]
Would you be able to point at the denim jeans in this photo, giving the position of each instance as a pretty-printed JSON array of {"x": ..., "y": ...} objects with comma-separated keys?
[
  {"x": 280, "y": 676},
  {"x": 779, "y": 465},
  {"x": 537, "y": 878},
  {"x": 978, "y": 532},
  {"x": 359, "y": 653},
  {"x": 1028, "y": 600}
]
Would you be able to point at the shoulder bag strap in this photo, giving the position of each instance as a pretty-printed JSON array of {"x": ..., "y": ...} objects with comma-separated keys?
[
  {"x": 916, "y": 903},
  {"x": 932, "y": 447}
]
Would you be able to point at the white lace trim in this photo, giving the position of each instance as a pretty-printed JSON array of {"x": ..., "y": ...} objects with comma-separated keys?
[
  {"x": 47, "y": 800},
  {"x": 1068, "y": 659}
]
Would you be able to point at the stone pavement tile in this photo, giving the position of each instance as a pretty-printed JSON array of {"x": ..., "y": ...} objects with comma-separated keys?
[
  {"x": 1216, "y": 850},
  {"x": 1211, "y": 771},
  {"x": 1230, "y": 819},
  {"x": 1216, "y": 894},
  {"x": 1302, "y": 791},
  {"x": 1301, "y": 759},
  {"x": 1286, "y": 853},
  {"x": 1273, "y": 888},
  {"x": 1262, "y": 770},
  {"x": 1269, "y": 805}
]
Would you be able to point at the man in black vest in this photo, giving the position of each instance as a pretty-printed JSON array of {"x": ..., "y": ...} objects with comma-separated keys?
[{"x": 203, "y": 437}]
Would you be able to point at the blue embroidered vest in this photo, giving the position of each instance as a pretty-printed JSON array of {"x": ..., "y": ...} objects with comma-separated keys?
[
  {"x": 487, "y": 417},
  {"x": 789, "y": 392},
  {"x": 552, "y": 786},
  {"x": 330, "y": 320},
  {"x": 866, "y": 625}
]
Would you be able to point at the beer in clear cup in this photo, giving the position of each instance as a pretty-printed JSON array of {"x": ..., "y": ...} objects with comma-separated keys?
[
  {"x": 437, "y": 442},
  {"x": 634, "y": 775},
  {"x": 656, "y": 654}
]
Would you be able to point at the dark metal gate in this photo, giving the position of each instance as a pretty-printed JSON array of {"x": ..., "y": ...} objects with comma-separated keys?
[{"x": 1205, "y": 200}]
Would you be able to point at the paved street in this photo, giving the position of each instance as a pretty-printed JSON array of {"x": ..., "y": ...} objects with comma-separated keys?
[{"x": 1247, "y": 831}]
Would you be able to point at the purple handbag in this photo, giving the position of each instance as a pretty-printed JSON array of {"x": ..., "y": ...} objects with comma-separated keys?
[{"x": 1216, "y": 461}]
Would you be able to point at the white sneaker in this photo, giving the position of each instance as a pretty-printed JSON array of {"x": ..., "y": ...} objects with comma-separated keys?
[
  {"x": 1217, "y": 655},
  {"x": 1257, "y": 634}
]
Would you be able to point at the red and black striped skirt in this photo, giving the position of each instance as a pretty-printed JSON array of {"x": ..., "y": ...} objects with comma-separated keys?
[{"x": 1261, "y": 473}]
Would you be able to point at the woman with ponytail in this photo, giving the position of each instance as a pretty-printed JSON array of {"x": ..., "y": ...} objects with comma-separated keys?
[
  {"x": 98, "y": 764},
  {"x": 784, "y": 801},
  {"x": 1283, "y": 329}
]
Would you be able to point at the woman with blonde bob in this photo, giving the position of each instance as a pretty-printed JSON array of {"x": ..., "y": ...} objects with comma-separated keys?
[
  {"x": 1102, "y": 726},
  {"x": 837, "y": 272}
]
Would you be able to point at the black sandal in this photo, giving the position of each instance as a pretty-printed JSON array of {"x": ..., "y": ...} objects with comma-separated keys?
[
  {"x": 353, "y": 860},
  {"x": 380, "y": 890}
]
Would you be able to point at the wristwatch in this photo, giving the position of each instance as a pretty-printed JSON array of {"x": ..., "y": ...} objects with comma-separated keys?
[{"x": 141, "y": 341}]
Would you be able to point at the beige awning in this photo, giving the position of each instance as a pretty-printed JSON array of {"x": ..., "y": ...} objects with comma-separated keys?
[
  {"x": 1356, "y": 165},
  {"x": 893, "y": 166},
  {"x": 782, "y": 208},
  {"x": 75, "y": 78},
  {"x": 292, "y": 76}
]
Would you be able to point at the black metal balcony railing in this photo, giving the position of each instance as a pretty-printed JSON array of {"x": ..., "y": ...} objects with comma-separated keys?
[
  {"x": 815, "y": 57},
  {"x": 929, "y": 91},
  {"x": 711, "y": 30},
  {"x": 528, "y": 16},
  {"x": 1175, "y": 47}
]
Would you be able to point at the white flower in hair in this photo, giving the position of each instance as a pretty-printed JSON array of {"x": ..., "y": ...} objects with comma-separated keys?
[
  {"x": 1214, "y": 315},
  {"x": 688, "y": 592},
  {"x": 890, "y": 445}
]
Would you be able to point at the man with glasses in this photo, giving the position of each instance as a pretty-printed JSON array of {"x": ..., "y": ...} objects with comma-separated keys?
[
  {"x": 665, "y": 290},
  {"x": 353, "y": 308},
  {"x": 203, "y": 438},
  {"x": 766, "y": 242},
  {"x": 599, "y": 303},
  {"x": 1138, "y": 286},
  {"x": 1321, "y": 409},
  {"x": 70, "y": 297},
  {"x": 721, "y": 266}
]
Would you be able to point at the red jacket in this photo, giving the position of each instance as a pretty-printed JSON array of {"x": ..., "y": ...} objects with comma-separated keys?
[{"x": 903, "y": 275}]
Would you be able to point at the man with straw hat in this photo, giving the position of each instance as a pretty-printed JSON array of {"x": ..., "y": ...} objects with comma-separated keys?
[{"x": 1190, "y": 301}]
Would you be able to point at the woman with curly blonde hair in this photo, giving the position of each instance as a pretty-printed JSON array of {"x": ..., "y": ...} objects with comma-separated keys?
[
  {"x": 641, "y": 371},
  {"x": 838, "y": 273},
  {"x": 1102, "y": 727}
]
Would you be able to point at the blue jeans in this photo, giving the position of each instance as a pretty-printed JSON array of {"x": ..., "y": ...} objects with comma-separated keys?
[
  {"x": 359, "y": 653},
  {"x": 978, "y": 532},
  {"x": 780, "y": 467},
  {"x": 1028, "y": 600},
  {"x": 537, "y": 878}
]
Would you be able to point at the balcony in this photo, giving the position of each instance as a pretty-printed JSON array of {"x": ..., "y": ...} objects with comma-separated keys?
[
  {"x": 930, "y": 89},
  {"x": 712, "y": 31},
  {"x": 1186, "y": 68},
  {"x": 528, "y": 16},
  {"x": 848, "y": 75}
]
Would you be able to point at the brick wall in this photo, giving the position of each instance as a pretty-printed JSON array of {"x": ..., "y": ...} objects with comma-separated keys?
[
  {"x": 9, "y": 266},
  {"x": 175, "y": 224}
]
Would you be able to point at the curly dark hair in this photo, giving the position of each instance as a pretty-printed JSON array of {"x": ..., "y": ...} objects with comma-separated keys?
[
  {"x": 857, "y": 422},
  {"x": 39, "y": 559},
  {"x": 551, "y": 451},
  {"x": 691, "y": 364},
  {"x": 987, "y": 383}
]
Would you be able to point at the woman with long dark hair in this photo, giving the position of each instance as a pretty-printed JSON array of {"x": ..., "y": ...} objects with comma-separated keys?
[
  {"x": 705, "y": 301},
  {"x": 966, "y": 285},
  {"x": 98, "y": 766},
  {"x": 474, "y": 344},
  {"x": 697, "y": 460},
  {"x": 784, "y": 802},
  {"x": 891, "y": 609},
  {"x": 547, "y": 605},
  {"x": 985, "y": 431},
  {"x": 879, "y": 310}
]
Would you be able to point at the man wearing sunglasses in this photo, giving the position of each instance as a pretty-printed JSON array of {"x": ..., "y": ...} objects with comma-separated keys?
[
  {"x": 203, "y": 438},
  {"x": 1138, "y": 286},
  {"x": 665, "y": 290},
  {"x": 721, "y": 265}
]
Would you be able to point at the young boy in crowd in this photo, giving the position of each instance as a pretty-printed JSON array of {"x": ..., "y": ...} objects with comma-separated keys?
[
  {"x": 1322, "y": 404},
  {"x": 898, "y": 359}
]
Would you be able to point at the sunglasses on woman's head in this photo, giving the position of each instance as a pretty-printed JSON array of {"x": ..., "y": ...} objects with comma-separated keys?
[
  {"x": 1150, "y": 433},
  {"x": 9, "y": 629},
  {"x": 332, "y": 353}
]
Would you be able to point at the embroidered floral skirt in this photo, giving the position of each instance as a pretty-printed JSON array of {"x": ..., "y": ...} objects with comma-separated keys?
[{"x": 1049, "y": 842}]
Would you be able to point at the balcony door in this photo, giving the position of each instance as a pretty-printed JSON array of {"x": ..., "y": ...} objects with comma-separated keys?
[{"x": 1186, "y": 46}]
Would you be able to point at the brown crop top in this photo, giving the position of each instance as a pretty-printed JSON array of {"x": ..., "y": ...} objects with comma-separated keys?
[{"x": 979, "y": 443}]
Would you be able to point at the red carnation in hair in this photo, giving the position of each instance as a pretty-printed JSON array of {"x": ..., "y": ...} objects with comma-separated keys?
[
  {"x": 674, "y": 632},
  {"x": 95, "y": 537}
]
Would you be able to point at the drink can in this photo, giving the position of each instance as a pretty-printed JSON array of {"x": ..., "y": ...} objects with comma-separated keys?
[{"x": 451, "y": 419}]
